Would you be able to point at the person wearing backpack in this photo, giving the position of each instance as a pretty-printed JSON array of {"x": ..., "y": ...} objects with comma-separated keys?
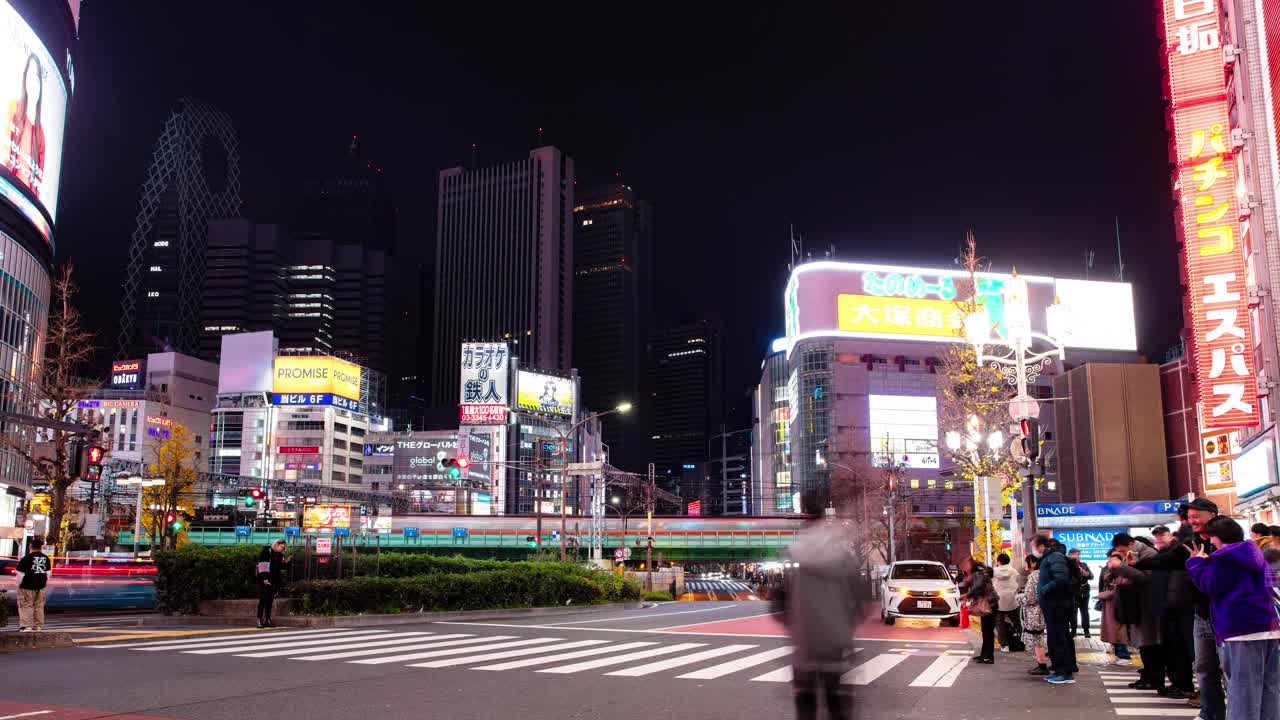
[{"x": 271, "y": 561}]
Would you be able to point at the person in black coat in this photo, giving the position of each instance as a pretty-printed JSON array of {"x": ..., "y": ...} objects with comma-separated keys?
[
  {"x": 271, "y": 562},
  {"x": 979, "y": 588}
]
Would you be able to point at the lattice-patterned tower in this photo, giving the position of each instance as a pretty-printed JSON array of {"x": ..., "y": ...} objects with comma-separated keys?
[{"x": 194, "y": 178}]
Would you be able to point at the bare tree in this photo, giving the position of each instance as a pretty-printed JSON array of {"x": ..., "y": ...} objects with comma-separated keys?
[{"x": 60, "y": 388}]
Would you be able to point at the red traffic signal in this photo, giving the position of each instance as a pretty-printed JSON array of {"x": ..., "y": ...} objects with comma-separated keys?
[
  {"x": 169, "y": 518},
  {"x": 96, "y": 452},
  {"x": 255, "y": 493},
  {"x": 462, "y": 463},
  {"x": 1031, "y": 438}
]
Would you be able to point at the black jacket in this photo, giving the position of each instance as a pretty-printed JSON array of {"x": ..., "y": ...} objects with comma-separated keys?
[
  {"x": 1174, "y": 561},
  {"x": 270, "y": 564},
  {"x": 34, "y": 567},
  {"x": 1055, "y": 589}
]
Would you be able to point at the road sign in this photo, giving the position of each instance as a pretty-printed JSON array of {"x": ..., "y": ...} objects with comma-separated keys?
[
  {"x": 626, "y": 553},
  {"x": 458, "y": 532},
  {"x": 619, "y": 554},
  {"x": 324, "y": 545},
  {"x": 342, "y": 531},
  {"x": 291, "y": 530},
  {"x": 411, "y": 532},
  {"x": 243, "y": 531},
  {"x": 587, "y": 468}
]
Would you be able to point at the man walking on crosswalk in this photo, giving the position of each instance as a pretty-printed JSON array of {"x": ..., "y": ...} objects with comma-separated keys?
[{"x": 819, "y": 602}]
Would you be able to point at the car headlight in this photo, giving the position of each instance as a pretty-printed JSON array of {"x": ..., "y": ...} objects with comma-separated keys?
[
  {"x": 951, "y": 591},
  {"x": 896, "y": 589}
]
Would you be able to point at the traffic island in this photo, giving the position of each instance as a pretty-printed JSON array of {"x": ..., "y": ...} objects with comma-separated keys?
[{"x": 22, "y": 641}]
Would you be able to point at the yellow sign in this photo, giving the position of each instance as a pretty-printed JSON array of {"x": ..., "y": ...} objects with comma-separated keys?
[
  {"x": 317, "y": 375},
  {"x": 40, "y": 502},
  {"x": 899, "y": 316},
  {"x": 326, "y": 516},
  {"x": 539, "y": 393}
]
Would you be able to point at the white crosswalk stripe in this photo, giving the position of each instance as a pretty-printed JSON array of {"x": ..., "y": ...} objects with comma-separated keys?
[
  {"x": 1131, "y": 702},
  {"x": 741, "y": 662}
]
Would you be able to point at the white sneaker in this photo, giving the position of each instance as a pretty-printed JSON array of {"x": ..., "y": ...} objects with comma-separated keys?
[
  {"x": 25, "y": 630},
  {"x": 1122, "y": 661}
]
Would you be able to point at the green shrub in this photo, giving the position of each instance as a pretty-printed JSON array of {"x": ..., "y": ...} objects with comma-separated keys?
[
  {"x": 656, "y": 595},
  {"x": 4, "y": 608},
  {"x": 194, "y": 573}
]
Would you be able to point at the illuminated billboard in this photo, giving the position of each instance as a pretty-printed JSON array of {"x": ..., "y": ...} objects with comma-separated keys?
[
  {"x": 546, "y": 394},
  {"x": 859, "y": 300},
  {"x": 33, "y": 95},
  {"x": 904, "y": 428},
  {"x": 1255, "y": 468},
  {"x": 128, "y": 374},
  {"x": 483, "y": 399},
  {"x": 326, "y": 516},
  {"x": 1208, "y": 215},
  {"x": 316, "y": 376}
]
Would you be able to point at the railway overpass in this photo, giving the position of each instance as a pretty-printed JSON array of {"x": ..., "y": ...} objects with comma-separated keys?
[{"x": 676, "y": 538}]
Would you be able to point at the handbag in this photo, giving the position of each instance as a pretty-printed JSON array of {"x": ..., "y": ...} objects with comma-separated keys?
[{"x": 980, "y": 607}]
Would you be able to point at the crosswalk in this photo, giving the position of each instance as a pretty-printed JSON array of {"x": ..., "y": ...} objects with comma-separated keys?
[
  {"x": 1128, "y": 702},
  {"x": 915, "y": 667},
  {"x": 710, "y": 586},
  {"x": 52, "y": 622}
]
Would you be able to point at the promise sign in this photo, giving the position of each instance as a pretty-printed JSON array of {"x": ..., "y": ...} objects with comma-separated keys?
[{"x": 1209, "y": 214}]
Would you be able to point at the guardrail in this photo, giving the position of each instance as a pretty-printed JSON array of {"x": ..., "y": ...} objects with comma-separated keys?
[{"x": 691, "y": 539}]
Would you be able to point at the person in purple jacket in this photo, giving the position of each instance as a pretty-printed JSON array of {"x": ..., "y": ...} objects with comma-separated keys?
[{"x": 1238, "y": 582}]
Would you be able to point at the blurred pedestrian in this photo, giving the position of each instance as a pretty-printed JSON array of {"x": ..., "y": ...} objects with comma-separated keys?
[
  {"x": 1137, "y": 598},
  {"x": 1173, "y": 603},
  {"x": 820, "y": 605},
  {"x": 1033, "y": 618},
  {"x": 1259, "y": 531},
  {"x": 271, "y": 562},
  {"x": 1008, "y": 627},
  {"x": 1082, "y": 578},
  {"x": 1113, "y": 631},
  {"x": 1237, "y": 581},
  {"x": 33, "y": 571},
  {"x": 981, "y": 597},
  {"x": 1056, "y": 595}
]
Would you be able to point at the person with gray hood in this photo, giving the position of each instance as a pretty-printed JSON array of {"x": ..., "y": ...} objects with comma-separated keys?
[{"x": 820, "y": 604}]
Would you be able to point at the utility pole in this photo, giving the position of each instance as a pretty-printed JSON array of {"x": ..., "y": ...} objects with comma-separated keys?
[
  {"x": 648, "y": 504},
  {"x": 724, "y": 470},
  {"x": 537, "y": 493}
]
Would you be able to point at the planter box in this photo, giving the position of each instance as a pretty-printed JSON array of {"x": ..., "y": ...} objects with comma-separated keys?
[
  {"x": 18, "y": 642},
  {"x": 244, "y": 608}
]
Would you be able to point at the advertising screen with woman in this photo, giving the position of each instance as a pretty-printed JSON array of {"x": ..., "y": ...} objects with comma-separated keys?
[{"x": 34, "y": 98}]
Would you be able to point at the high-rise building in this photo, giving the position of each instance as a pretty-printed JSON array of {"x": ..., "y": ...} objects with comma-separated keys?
[
  {"x": 612, "y": 302},
  {"x": 190, "y": 183},
  {"x": 504, "y": 264},
  {"x": 244, "y": 286},
  {"x": 686, "y": 392}
]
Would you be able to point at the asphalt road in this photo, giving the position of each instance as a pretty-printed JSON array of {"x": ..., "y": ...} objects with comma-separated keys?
[{"x": 688, "y": 660}]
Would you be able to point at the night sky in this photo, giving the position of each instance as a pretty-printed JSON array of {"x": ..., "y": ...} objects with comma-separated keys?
[{"x": 884, "y": 131}]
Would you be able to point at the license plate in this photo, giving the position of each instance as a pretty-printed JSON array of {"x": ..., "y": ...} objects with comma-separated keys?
[{"x": 924, "y": 603}]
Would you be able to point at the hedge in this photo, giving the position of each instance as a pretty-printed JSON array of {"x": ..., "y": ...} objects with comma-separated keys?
[
  {"x": 484, "y": 590},
  {"x": 656, "y": 595},
  {"x": 194, "y": 573}
]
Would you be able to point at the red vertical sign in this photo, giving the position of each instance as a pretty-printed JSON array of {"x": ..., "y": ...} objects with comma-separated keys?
[{"x": 1209, "y": 214}]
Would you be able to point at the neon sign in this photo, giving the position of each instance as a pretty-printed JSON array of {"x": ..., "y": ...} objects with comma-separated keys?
[
  {"x": 907, "y": 286},
  {"x": 1209, "y": 214}
]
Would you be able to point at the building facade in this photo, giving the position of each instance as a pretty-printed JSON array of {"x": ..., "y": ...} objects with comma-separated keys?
[
  {"x": 504, "y": 264},
  {"x": 686, "y": 393},
  {"x": 612, "y": 303}
]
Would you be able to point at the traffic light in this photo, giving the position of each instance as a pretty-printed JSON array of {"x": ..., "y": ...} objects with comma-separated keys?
[
  {"x": 1031, "y": 438},
  {"x": 533, "y": 543},
  {"x": 75, "y": 456},
  {"x": 946, "y": 539},
  {"x": 171, "y": 519},
  {"x": 91, "y": 463},
  {"x": 251, "y": 496},
  {"x": 455, "y": 466}
]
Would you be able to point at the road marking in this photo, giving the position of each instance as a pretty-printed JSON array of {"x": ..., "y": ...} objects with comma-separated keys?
[
  {"x": 1161, "y": 711},
  {"x": 143, "y": 634},
  {"x": 283, "y": 642},
  {"x": 726, "y": 620},
  {"x": 619, "y": 659},
  {"x": 378, "y": 641},
  {"x": 870, "y": 670},
  {"x": 563, "y": 656},
  {"x": 454, "y": 651},
  {"x": 733, "y": 666},
  {"x": 1130, "y": 691},
  {"x": 472, "y": 659},
  {"x": 669, "y": 663},
  {"x": 665, "y": 631},
  {"x": 432, "y": 645},
  {"x": 782, "y": 674},
  {"x": 1156, "y": 700},
  {"x": 196, "y": 642},
  {"x": 647, "y": 616},
  {"x": 938, "y": 671},
  {"x": 25, "y": 714}
]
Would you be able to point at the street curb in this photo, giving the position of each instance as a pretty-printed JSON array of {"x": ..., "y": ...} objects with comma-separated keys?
[
  {"x": 22, "y": 642},
  {"x": 328, "y": 621}
]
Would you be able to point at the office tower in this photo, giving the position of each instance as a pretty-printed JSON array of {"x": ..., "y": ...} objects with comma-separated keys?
[
  {"x": 194, "y": 178},
  {"x": 686, "y": 392},
  {"x": 504, "y": 261},
  {"x": 612, "y": 302}
]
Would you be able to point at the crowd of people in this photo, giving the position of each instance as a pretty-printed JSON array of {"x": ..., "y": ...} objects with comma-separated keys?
[{"x": 1200, "y": 603}]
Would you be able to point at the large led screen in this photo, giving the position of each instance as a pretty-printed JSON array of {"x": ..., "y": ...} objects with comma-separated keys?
[
  {"x": 1255, "y": 468},
  {"x": 906, "y": 428},
  {"x": 34, "y": 98}
]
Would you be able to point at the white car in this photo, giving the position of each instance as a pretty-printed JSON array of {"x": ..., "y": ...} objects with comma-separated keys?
[{"x": 919, "y": 589}]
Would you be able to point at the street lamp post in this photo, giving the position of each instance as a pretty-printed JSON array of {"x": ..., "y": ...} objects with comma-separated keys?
[
  {"x": 137, "y": 515},
  {"x": 1015, "y": 359},
  {"x": 972, "y": 442}
]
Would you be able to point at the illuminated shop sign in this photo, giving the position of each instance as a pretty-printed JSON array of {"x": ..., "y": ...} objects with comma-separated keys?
[{"x": 315, "y": 399}]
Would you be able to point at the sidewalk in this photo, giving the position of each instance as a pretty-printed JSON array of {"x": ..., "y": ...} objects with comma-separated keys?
[{"x": 1089, "y": 651}]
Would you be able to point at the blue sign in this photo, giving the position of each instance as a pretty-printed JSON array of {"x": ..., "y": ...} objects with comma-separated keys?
[
  {"x": 458, "y": 532},
  {"x": 315, "y": 399},
  {"x": 342, "y": 531},
  {"x": 1093, "y": 544},
  {"x": 411, "y": 532},
  {"x": 243, "y": 531},
  {"x": 1148, "y": 507},
  {"x": 291, "y": 530}
]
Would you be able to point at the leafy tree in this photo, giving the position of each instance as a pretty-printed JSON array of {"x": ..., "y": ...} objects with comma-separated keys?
[{"x": 175, "y": 463}]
